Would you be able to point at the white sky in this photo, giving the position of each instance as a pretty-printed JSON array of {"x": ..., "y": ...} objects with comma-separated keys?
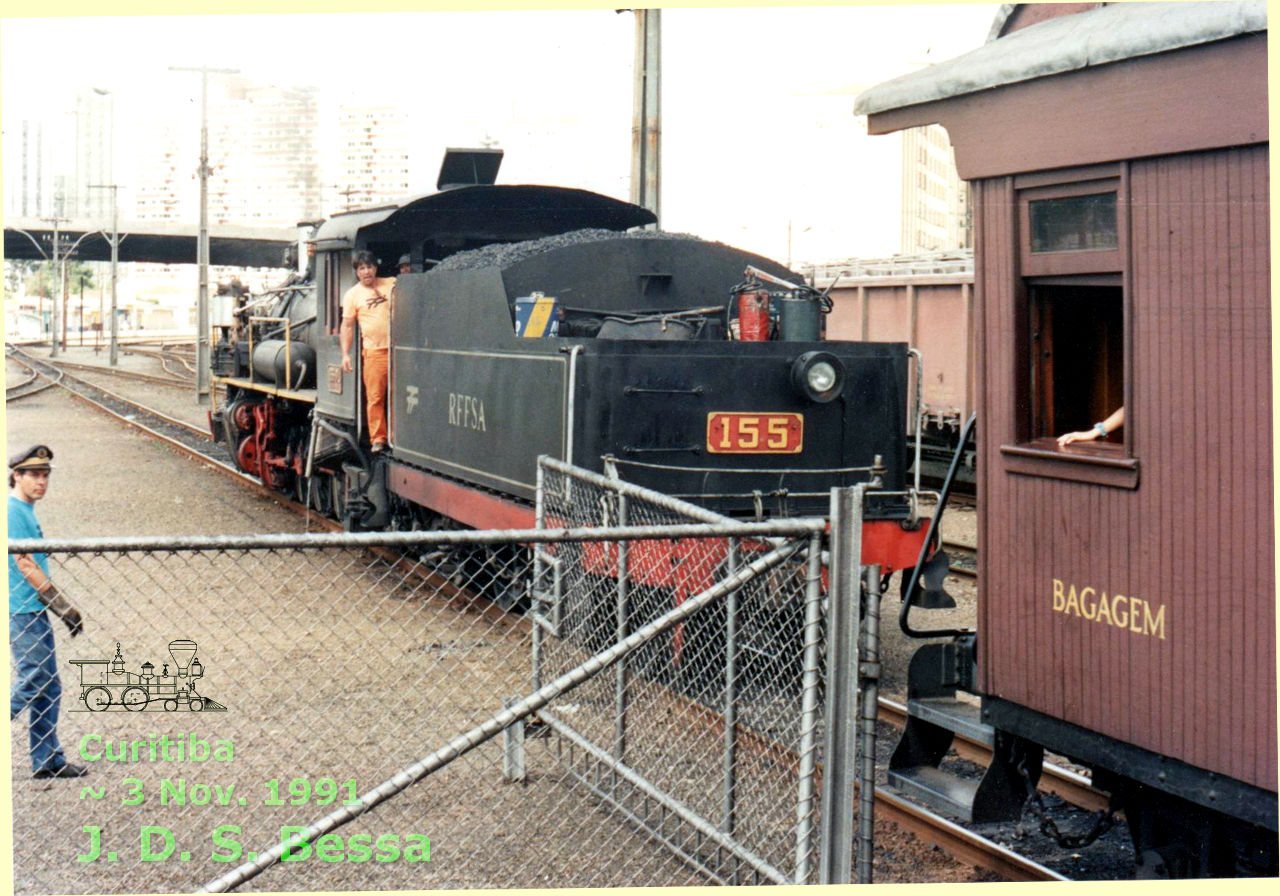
[{"x": 757, "y": 129}]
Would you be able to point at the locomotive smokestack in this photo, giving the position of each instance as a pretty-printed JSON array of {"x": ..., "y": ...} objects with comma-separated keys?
[{"x": 182, "y": 651}]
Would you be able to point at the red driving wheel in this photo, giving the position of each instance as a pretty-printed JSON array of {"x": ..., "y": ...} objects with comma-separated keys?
[{"x": 247, "y": 456}]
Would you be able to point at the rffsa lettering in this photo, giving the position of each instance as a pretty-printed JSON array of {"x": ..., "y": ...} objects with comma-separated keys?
[{"x": 466, "y": 411}]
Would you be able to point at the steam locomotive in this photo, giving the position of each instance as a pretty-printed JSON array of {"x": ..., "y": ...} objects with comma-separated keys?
[
  {"x": 541, "y": 321},
  {"x": 106, "y": 683}
]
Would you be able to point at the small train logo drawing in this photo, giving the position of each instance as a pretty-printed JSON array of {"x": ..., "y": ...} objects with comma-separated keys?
[{"x": 105, "y": 685}]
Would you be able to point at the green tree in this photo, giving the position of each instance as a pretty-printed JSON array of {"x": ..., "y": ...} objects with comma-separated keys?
[
  {"x": 16, "y": 273},
  {"x": 42, "y": 278}
]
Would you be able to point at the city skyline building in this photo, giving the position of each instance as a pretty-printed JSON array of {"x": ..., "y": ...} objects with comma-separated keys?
[
  {"x": 280, "y": 156},
  {"x": 935, "y": 202},
  {"x": 29, "y": 191},
  {"x": 372, "y": 158},
  {"x": 264, "y": 157},
  {"x": 94, "y": 154}
]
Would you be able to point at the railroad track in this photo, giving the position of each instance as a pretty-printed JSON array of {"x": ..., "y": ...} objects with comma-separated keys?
[
  {"x": 194, "y": 441},
  {"x": 964, "y": 558},
  {"x": 155, "y": 379},
  {"x": 32, "y": 383},
  {"x": 171, "y": 357},
  {"x": 156, "y": 423}
]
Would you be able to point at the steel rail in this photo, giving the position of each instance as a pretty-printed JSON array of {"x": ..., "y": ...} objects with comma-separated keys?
[
  {"x": 189, "y": 428},
  {"x": 964, "y": 558},
  {"x": 32, "y": 385},
  {"x": 125, "y": 374},
  {"x": 206, "y": 459},
  {"x": 962, "y": 844}
]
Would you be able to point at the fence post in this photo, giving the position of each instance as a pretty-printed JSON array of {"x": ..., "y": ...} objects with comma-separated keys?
[
  {"x": 621, "y": 675},
  {"x": 869, "y": 682},
  {"x": 513, "y": 765},
  {"x": 730, "y": 703},
  {"x": 810, "y": 683},
  {"x": 836, "y": 857},
  {"x": 539, "y": 522}
]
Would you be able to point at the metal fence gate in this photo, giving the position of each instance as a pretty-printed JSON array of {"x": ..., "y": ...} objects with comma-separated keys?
[
  {"x": 707, "y": 737},
  {"x": 264, "y": 704}
]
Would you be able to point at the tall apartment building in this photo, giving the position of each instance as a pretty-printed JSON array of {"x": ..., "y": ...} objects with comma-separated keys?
[
  {"x": 935, "y": 202},
  {"x": 166, "y": 157},
  {"x": 270, "y": 173},
  {"x": 263, "y": 155},
  {"x": 51, "y": 162},
  {"x": 372, "y": 157},
  {"x": 264, "y": 161},
  {"x": 94, "y": 150},
  {"x": 28, "y": 185}
]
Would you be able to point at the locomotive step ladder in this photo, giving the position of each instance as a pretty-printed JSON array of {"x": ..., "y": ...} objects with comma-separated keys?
[{"x": 920, "y": 767}]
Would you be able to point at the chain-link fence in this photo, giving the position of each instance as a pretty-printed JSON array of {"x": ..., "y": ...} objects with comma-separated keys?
[
  {"x": 708, "y": 736},
  {"x": 266, "y": 703}
]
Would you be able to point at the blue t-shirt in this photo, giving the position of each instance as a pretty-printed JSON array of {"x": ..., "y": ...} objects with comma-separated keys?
[{"x": 23, "y": 524}]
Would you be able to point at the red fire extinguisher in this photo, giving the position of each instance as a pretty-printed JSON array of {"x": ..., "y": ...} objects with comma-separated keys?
[{"x": 753, "y": 316}]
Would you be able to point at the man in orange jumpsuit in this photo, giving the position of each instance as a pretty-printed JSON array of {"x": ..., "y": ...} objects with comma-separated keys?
[{"x": 369, "y": 303}]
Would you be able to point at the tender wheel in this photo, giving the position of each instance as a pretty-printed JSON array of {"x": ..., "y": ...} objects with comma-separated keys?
[
  {"x": 338, "y": 495},
  {"x": 300, "y": 489},
  {"x": 135, "y": 699},
  {"x": 500, "y": 574},
  {"x": 97, "y": 698},
  {"x": 322, "y": 493}
]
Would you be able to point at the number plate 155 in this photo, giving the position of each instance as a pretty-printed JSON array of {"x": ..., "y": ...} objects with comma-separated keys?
[{"x": 754, "y": 433}]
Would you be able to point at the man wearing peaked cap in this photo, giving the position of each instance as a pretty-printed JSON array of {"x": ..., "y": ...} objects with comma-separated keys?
[
  {"x": 37, "y": 457},
  {"x": 36, "y": 684}
]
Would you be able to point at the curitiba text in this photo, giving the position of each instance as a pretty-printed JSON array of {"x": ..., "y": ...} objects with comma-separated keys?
[
  {"x": 1119, "y": 610},
  {"x": 162, "y": 748}
]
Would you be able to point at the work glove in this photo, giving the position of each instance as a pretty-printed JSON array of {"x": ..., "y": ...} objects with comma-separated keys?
[{"x": 52, "y": 598}]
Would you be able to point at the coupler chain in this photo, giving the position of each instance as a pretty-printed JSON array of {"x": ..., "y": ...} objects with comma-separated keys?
[{"x": 1103, "y": 821}]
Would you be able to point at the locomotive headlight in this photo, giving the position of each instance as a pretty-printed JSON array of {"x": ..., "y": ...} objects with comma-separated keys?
[
  {"x": 821, "y": 377},
  {"x": 818, "y": 376}
]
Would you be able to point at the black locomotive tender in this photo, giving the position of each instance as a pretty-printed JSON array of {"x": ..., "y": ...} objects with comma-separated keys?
[{"x": 544, "y": 323}]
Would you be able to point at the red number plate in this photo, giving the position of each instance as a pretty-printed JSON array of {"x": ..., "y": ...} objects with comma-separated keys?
[{"x": 754, "y": 433}]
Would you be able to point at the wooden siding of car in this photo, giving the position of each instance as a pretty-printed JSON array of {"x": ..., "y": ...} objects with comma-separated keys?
[{"x": 1197, "y": 534}]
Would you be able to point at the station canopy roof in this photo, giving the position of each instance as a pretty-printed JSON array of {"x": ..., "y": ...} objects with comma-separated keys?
[{"x": 162, "y": 242}]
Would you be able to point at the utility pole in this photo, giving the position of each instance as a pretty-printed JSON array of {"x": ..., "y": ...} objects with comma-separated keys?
[
  {"x": 65, "y": 299},
  {"x": 113, "y": 357},
  {"x": 57, "y": 272},
  {"x": 113, "y": 353},
  {"x": 202, "y": 244},
  {"x": 646, "y": 124}
]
